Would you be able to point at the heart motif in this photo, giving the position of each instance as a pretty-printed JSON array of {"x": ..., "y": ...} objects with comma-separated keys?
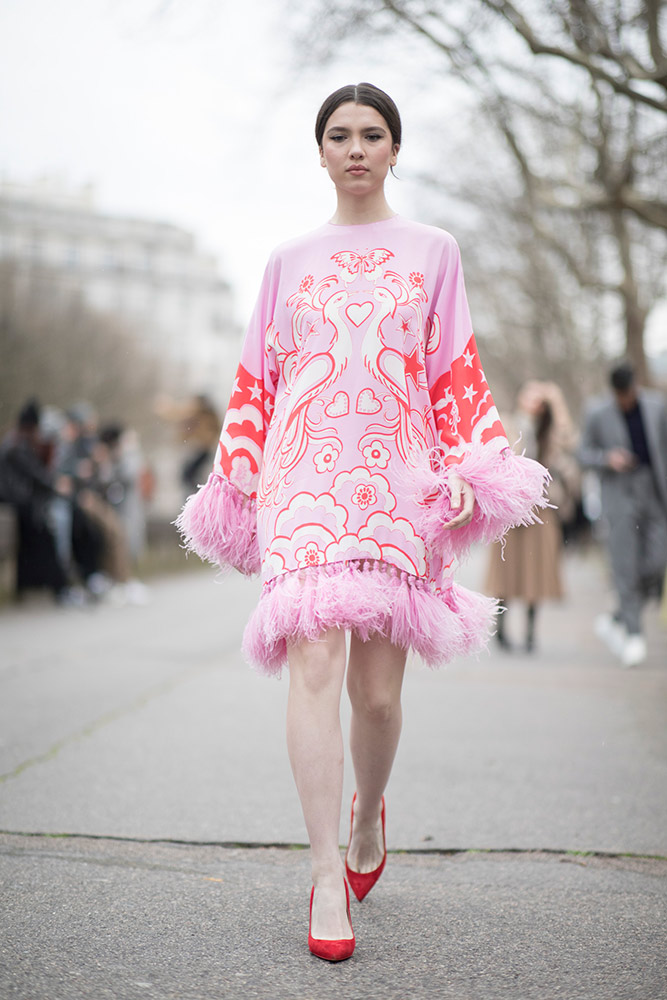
[
  {"x": 339, "y": 405},
  {"x": 367, "y": 402},
  {"x": 357, "y": 312}
]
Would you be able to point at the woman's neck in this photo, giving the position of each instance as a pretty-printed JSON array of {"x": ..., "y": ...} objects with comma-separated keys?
[{"x": 354, "y": 211}]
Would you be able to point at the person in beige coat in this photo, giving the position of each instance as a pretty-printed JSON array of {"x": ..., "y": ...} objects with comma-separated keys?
[{"x": 527, "y": 567}]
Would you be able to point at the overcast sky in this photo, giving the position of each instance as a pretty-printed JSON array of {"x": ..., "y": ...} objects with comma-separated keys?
[{"x": 199, "y": 117}]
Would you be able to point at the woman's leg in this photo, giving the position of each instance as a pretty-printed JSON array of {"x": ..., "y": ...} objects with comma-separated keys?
[
  {"x": 531, "y": 612},
  {"x": 501, "y": 636},
  {"x": 315, "y": 746},
  {"x": 374, "y": 681}
]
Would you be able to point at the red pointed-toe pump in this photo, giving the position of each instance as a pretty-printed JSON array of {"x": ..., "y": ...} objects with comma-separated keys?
[
  {"x": 331, "y": 950},
  {"x": 363, "y": 882}
]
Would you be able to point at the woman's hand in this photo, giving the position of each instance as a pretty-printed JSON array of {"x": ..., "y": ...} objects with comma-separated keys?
[{"x": 462, "y": 496}]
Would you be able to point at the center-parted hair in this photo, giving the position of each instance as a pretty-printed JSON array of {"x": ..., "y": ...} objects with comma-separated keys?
[{"x": 360, "y": 93}]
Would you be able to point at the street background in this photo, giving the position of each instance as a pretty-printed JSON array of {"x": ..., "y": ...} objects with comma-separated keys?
[
  {"x": 152, "y": 837},
  {"x": 152, "y": 153}
]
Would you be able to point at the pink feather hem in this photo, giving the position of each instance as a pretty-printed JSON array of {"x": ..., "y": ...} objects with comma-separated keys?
[
  {"x": 509, "y": 489},
  {"x": 370, "y": 598},
  {"x": 219, "y": 523}
]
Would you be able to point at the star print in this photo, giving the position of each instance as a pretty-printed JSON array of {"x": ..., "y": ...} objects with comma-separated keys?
[
  {"x": 255, "y": 391},
  {"x": 237, "y": 387},
  {"x": 413, "y": 366},
  {"x": 468, "y": 357},
  {"x": 469, "y": 393},
  {"x": 405, "y": 326}
]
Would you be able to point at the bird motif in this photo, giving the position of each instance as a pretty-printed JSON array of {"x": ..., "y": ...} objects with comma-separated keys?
[
  {"x": 387, "y": 365},
  {"x": 318, "y": 366}
]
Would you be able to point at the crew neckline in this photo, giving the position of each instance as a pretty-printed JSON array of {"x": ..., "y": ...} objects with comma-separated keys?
[{"x": 361, "y": 225}]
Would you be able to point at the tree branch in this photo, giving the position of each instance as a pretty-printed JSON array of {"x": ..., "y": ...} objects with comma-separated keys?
[
  {"x": 514, "y": 17},
  {"x": 658, "y": 54}
]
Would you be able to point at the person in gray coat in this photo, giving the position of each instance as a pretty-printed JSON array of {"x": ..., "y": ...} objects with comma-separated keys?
[{"x": 625, "y": 440}]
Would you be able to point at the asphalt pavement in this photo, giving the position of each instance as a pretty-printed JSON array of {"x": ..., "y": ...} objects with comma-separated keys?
[{"x": 152, "y": 844}]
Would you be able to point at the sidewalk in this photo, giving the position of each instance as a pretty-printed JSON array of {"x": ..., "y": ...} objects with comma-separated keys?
[{"x": 144, "y": 723}]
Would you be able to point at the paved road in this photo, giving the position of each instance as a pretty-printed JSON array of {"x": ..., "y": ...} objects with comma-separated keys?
[
  {"x": 144, "y": 723},
  {"x": 123, "y": 921}
]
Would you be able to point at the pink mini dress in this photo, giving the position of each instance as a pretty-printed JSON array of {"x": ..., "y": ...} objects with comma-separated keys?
[{"x": 359, "y": 391}]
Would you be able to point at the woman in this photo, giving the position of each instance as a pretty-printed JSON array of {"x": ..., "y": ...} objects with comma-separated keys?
[
  {"x": 528, "y": 565},
  {"x": 360, "y": 453},
  {"x": 28, "y": 484}
]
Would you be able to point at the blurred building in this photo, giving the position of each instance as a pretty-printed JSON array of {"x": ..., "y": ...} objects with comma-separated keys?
[{"x": 150, "y": 274}]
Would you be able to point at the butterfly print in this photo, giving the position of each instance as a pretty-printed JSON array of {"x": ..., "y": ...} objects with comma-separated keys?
[{"x": 368, "y": 263}]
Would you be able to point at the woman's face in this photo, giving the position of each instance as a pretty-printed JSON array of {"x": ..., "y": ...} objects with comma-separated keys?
[
  {"x": 531, "y": 398},
  {"x": 357, "y": 148}
]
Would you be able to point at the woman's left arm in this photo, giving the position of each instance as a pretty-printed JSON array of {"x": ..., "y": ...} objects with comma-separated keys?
[{"x": 472, "y": 453}]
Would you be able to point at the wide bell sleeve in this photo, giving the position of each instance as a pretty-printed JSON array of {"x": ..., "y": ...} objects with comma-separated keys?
[
  {"x": 219, "y": 521},
  {"x": 471, "y": 440}
]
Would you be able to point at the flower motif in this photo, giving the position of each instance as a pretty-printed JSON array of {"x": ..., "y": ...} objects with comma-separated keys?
[
  {"x": 376, "y": 455},
  {"x": 416, "y": 279},
  {"x": 364, "y": 495},
  {"x": 306, "y": 283},
  {"x": 309, "y": 555},
  {"x": 241, "y": 474},
  {"x": 325, "y": 459}
]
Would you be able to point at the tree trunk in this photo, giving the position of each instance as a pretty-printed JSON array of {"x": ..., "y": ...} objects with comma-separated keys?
[
  {"x": 635, "y": 321},
  {"x": 634, "y": 312}
]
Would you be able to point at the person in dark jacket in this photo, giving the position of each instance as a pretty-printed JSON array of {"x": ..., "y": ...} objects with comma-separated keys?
[{"x": 28, "y": 485}]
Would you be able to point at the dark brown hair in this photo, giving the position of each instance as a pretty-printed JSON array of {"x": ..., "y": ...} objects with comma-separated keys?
[
  {"x": 360, "y": 93},
  {"x": 543, "y": 427},
  {"x": 622, "y": 376}
]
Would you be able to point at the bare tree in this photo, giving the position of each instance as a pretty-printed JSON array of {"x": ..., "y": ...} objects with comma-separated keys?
[
  {"x": 534, "y": 313},
  {"x": 58, "y": 348},
  {"x": 618, "y": 43},
  {"x": 578, "y": 93},
  {"x": 578, "y": 163}
]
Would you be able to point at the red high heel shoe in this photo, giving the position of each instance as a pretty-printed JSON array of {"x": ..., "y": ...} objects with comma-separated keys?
[
  {"x": 336, "y": 950},
  {"x": 363, "y": 882}
]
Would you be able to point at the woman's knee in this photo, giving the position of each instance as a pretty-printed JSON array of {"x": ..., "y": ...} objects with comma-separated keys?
[
  {"x": 375, "y": 678},
  {"x": 376, "y": 701},
  {"x": 317, "y": 665}
]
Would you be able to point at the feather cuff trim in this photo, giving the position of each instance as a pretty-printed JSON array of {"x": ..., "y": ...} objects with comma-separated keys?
[
  {"x": 219, "y": 523},
  {"x": 371, "y": 598},
  {"x": 508, "y": 489}
]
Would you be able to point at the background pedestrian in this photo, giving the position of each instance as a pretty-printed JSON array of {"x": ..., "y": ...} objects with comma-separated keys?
[
  {"x": 526, "y": 566},
  {"x": 625, "y": 440}
]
